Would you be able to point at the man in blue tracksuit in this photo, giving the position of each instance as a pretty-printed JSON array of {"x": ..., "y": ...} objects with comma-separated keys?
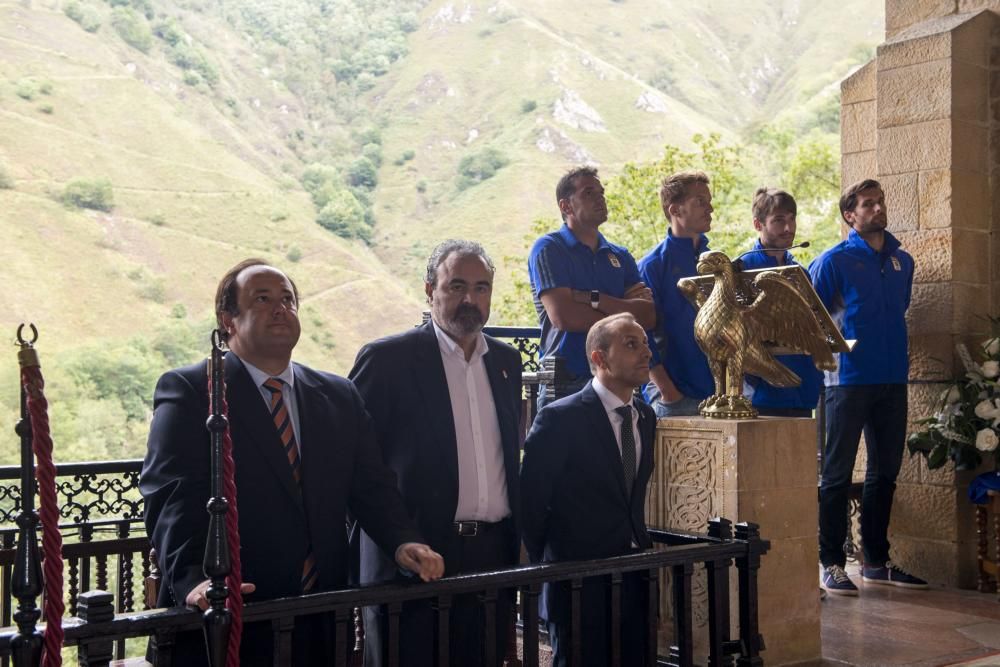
[
  {"x": 774, "y": 214},
  {"x": 679, "y": 377},
  {"x": 865, "y": 282},
  {"x": 578, "y": 278}
]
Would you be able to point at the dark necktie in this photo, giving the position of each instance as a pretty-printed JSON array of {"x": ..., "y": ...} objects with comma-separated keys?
[
  {"x": 286, "y": 433},
  {"x": 628, "y": 446}
]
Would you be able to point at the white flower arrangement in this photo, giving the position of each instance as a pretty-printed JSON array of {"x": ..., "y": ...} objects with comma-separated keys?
[{"x": 966, "y": 426}]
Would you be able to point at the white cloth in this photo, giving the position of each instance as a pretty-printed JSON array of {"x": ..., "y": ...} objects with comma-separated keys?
[
  {"x": 611, "y": 403},
  {"x": 259, "y": 377},
  {"x": 482, "y": 483}
]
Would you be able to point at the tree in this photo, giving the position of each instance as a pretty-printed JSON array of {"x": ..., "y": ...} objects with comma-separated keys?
[
  {"x": 363, "y": 173},
  {"x": 345, "y": 216}
]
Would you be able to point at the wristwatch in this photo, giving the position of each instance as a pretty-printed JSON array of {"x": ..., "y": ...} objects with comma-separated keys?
[{"x": 595, "y": 298}]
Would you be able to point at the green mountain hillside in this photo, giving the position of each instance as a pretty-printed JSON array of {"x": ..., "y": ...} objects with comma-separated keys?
[
  {"x": 549, "y": 84},
  {"x": 147, "y": 145}
]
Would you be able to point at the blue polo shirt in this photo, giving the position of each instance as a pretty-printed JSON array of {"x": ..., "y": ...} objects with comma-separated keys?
[
  {"x": 764, "y": 395},
  {"x": 867, "y": 293},
  {"x": 558, "y": 259},
  {"x": 673, "y": 338}
]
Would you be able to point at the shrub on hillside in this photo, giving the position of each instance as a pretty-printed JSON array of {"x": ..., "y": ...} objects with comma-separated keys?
[
  {"x": 168, "y": 31},
  {"x": 363, "y": 173},
  {"x": 527, "y": 106},
  {"x": 85, "y": 15},
  {"x": 373, "y": 152},
  {"x": 345, "y": 216},
  {"x": 6, "y": 181},
  {"x": 96, "y": 194},
  {"x": 26, "y": 89},
  {"x": 187, "y": 57},
  {"x": 133, "y": 28},
  {"x": 480, "y": 166}
]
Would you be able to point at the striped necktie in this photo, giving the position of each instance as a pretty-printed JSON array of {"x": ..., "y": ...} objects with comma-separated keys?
[{"x": 286, "y": 434}]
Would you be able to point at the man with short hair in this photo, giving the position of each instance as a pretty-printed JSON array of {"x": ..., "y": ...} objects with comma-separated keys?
[
  {"x": 578, "y": 277},
  {"x": 679, "y": 377},
  {"x": 446, "y": 402},
  {"x": 774, "y": 214},
  {"x": 865, "y": 282},
  {"x": 305, "y": 454},
  {"x": 587, "y": 462}
]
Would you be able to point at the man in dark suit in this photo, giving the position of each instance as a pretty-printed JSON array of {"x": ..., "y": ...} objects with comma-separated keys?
[
  {"x": 586, "y": 465},
  {"x": 305, "y": 454},
  {"x": 446, "y": 402}
]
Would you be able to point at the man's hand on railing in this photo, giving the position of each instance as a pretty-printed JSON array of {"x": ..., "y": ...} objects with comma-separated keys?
[
  {"x": 421, "y": 560},
  {"x": 196, "y": 598}
]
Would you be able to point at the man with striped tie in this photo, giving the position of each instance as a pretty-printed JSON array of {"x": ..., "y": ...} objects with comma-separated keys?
[{"x": 305, "y": 454}]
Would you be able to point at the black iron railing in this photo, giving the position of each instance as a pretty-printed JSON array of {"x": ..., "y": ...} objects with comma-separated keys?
[{"x": 95, "y": 627}]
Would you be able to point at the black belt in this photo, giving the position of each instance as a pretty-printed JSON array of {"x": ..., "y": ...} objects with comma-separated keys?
[{"x": 476, "y": 528}]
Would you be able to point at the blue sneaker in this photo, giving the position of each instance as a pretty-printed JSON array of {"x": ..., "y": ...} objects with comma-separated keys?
[
  {"x": 836, "y": 581},
  {"x": 891, "y": 574}
]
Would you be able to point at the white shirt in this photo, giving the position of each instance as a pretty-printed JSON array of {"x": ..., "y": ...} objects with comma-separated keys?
[
  {"x": 611, "y": 403},
  {"x": 259, "y": 377},
  {"x": 482, "y": 483}
]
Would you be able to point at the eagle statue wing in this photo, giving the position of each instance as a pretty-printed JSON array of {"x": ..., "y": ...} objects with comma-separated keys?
[
  {"x": 781, "y": 315},
  {"x": 690, "y": 289}
]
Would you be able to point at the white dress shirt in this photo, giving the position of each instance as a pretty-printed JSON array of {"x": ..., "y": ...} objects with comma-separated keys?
[
  {"x": 259, "y": 377},
  {"x": 611, "y": 403},
  {"x": 482, "y": 483}
]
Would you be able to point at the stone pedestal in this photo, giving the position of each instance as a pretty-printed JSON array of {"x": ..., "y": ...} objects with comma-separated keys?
[{"x": 759, "y": 470}]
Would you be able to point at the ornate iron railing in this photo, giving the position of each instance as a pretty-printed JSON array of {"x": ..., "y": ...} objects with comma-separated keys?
[{"x": 96, "y": 627}]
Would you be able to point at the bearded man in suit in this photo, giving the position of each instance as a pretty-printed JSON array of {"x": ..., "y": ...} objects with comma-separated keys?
[{"x": 446, "y": 401}]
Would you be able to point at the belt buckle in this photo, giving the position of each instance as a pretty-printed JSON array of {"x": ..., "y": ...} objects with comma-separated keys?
[{"x": 467, "y": 528}]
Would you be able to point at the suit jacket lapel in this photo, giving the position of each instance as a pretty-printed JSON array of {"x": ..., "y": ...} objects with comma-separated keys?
[
  {"x": 434, "y": 392},
  {"x": 500, "y": 386},
  {"x": 605, "y": 435},
  {"x": 248, "y": 413}
]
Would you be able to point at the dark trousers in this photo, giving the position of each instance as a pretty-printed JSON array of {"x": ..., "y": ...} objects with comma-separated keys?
[
  {"x": 880, "y": 412},
  {"x": 595, "y": 624},
  {"x": 489, "y": 550}
]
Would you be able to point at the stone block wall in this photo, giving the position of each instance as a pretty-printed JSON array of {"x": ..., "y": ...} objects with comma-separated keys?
[{"x": 924, "y": 119}]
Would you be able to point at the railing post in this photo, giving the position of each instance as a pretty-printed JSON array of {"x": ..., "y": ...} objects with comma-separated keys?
[
  {"x": 682, "y": 653},
  {"x": 26, "y": 582},
  {"x": 719, "y": 646},
  {"x": 96, "y": 606},
  {"x": 218, "y": 619},
  {"x": 529, "y": 619},
  {"x": 556, "y": 376},
  {"x": 750, "y": 637}
]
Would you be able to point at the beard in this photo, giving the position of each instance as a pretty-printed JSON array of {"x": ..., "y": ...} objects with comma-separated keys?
[{"x": 466, "y": 320}]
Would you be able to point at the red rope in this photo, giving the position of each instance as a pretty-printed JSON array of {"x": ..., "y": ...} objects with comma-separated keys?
[
  {"x": 234, "y": 581},
  {"x": 48, "y": 511}
]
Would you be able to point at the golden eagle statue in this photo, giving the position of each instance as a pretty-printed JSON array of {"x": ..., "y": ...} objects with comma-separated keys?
[{"x": 733, "y": 335}]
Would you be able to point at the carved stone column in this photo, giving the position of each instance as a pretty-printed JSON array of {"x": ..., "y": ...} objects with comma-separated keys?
[{"x": 758, "y": 470}]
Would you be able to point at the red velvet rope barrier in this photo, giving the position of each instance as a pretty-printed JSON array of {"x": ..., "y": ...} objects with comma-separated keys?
[
  {"x": 234, "y": 581},
  {"x": 48, "y": 512}
]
